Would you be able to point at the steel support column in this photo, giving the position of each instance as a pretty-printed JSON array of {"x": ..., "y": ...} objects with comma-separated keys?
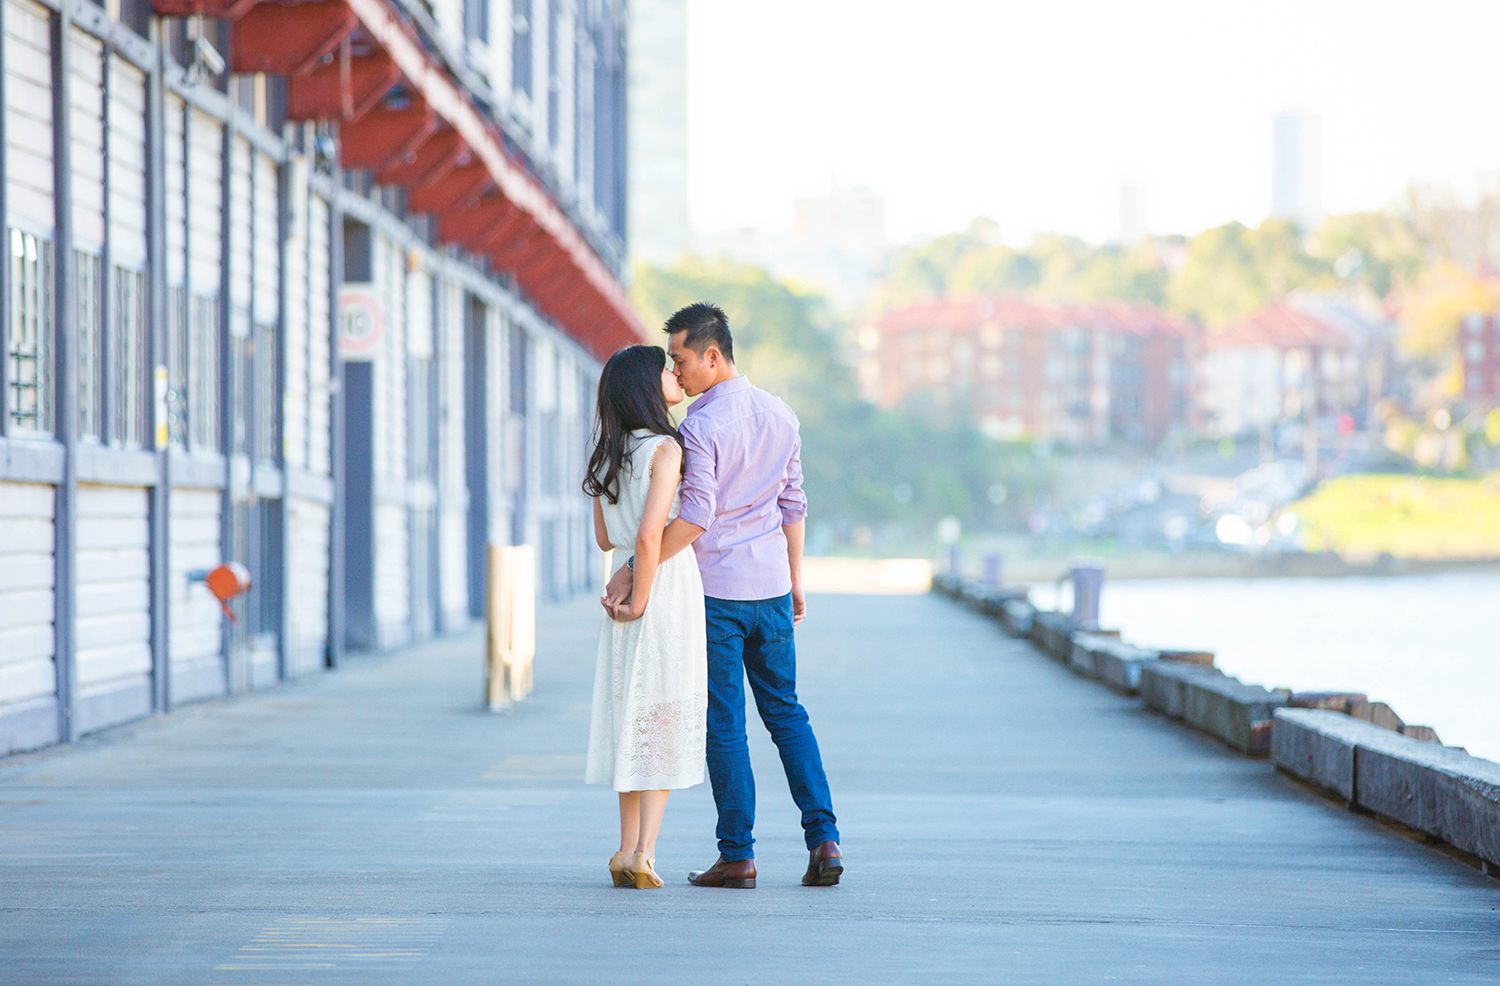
[
  {"x": 65, "y": 416},
  {"x": 157, "y": 419},
  {"x": 284, "y": 532},
  {"x": 336, "y": 417},
  {"x": 226, "y": 382}
]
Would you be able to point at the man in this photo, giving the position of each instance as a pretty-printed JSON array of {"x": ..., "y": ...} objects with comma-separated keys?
[{"x": 742, "y": 511}]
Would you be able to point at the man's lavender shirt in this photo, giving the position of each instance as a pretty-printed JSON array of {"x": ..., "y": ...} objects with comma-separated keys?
[{"x": 743, "y": 484}]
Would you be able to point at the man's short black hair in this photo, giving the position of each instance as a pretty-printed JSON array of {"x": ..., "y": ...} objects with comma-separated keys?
[{"x": 705, "y": 326}]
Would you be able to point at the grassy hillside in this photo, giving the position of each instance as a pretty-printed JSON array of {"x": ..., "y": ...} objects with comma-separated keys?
[{"x": 1405, "y": 516}]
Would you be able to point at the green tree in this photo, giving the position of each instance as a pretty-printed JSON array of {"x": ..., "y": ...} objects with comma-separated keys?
[
  {"x": 924, "y": 271},
  {"x": 1283, "y": 263},
  {"x": 1379, "y": 250},
  {"x": 1217, "y": 283},
  {"x": 1112, "y": 272},
  {"x": 992, "y": 270},
  {"x": 1232, "y": 271}
]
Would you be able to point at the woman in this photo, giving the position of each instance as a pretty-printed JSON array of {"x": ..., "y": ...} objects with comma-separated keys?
[{"x": 651, "y": 682}]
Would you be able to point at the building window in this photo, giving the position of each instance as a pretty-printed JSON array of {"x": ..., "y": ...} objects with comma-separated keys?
[
  {"x": 520, "y": 58},
  {"x": 263, "y": 609},
  {"x": 127, "y": 360},
  {"x": 177, "y": 366},
  {"x": 422, "y": 384},
  {"x": 477, "y": 19},
  {"x": 134, "y": 14},
  {"x": 554, "y": 81},
  {"x": 203, "y": 374},
  {"x": 90, "y": 327},
  {"x": 267, "y": 398},
  {"x": 28, "y": 340}
]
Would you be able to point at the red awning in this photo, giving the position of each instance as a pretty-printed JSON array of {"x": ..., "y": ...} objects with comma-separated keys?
[{"x": 403, "y": 117}]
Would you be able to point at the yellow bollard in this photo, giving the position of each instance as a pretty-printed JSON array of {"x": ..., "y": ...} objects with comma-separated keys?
[{"x": 510, "y": 643}]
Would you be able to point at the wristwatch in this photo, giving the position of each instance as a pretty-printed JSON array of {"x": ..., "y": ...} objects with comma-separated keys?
[{"x": 630, "y": 563}]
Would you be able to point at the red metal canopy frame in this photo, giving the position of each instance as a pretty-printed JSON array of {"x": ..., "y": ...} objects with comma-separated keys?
[{"x": 403, "y": 117}]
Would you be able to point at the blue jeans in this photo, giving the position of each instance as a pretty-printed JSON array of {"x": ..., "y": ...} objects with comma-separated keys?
[{"x": 753, "y": 638}]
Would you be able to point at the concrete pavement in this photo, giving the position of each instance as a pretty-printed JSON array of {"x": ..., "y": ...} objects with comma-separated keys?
[{"x": 1003, "y": 820}]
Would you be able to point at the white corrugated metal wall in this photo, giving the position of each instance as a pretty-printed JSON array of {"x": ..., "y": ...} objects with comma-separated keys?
[{"x": 245, "y": 280}]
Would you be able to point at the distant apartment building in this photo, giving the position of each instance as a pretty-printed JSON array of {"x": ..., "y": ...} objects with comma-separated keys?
[
  {"x": 1266, "y": 367},
  {"x": 1479, "y": 348},
  {"x": 1084, "y": 374}
]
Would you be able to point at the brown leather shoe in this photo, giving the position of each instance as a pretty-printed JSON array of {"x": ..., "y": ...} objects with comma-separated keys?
[
  {"x": 825, "y": 865},
  {"x": 739, "y": 874}
]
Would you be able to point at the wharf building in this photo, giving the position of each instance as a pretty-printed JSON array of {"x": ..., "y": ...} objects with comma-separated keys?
[
  {"x": 319, "y": 287},
  {"x": 1083, "y": 374}
]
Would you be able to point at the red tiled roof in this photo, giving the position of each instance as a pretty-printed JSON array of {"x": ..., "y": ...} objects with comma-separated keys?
[
  {"x": 1279, "y": 326},
  {"x": 1138, "y": 318}
]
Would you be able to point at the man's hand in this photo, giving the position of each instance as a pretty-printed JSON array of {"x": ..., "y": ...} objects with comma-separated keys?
[
  {"x": 618, "y": 590},
  {"x": 799, "y": 604}
]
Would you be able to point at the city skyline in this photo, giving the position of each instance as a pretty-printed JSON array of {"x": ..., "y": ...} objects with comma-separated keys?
[{"x": 1035, "y": 116}]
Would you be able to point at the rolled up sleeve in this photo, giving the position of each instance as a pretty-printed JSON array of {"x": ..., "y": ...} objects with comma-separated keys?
[
  {"x": 700, "y": 484},
  {"x": 792, "y": 501}
]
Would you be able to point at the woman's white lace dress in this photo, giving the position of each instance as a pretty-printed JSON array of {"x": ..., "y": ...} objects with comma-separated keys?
[{"x": 651, "y": 682}]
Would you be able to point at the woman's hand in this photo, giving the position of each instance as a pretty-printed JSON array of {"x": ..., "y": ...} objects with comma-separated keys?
[
  {"x": 624, "y": 612},
  {"x": 619, "y": 588}
]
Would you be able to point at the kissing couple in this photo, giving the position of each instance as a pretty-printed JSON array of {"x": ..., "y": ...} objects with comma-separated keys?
[{"x": 684, "y": 631}]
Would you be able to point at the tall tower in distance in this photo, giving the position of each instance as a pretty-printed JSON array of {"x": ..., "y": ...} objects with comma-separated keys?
[
  {"x": 1297, "y": 168},
  {"x": 1132, "y": 212},
  {"x": 658, "y": 220}
]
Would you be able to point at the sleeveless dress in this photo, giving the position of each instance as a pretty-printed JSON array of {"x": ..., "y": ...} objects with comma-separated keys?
[{"x": 650, "y": 707}]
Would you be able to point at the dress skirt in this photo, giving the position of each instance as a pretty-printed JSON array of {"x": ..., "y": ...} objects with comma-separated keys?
[{"x": 646, "y": 731}]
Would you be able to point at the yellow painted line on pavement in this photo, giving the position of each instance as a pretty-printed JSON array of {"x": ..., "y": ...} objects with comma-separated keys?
[{"x": 341, "y": 942}]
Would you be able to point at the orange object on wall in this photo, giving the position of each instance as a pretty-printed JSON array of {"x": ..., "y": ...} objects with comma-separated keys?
[{"x": 229, "y": 580}]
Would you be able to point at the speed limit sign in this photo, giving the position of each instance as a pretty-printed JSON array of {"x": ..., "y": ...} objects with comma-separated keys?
[{"x": 361, "y": 322}]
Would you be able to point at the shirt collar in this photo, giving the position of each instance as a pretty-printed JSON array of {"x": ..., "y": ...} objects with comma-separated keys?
[{"x": 731, "y": 386}]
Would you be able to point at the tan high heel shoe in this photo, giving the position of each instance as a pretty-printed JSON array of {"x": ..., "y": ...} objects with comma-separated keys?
[
  {"x": 645, "y": 874},
  {"x": 619, "y": 870}
]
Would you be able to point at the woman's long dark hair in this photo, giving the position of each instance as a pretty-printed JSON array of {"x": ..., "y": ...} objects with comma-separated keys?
[{"x": 630, "y": 398}]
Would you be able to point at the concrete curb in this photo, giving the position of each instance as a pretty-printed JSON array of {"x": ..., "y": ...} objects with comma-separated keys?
[
  {"x": 1052, "y": 632},
  {"x": 1164, "y": 686},
  {"x": 1339, "y": 741},
  {"x": 1439, "y": 790},
  {"x": 1112, "y": 661},
  {"x": 1237, "y": 713},
  {"x": 1015, "y": 617}
]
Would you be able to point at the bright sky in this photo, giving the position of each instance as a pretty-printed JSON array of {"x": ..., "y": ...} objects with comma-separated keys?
[{"x": 1036, "y": 112}]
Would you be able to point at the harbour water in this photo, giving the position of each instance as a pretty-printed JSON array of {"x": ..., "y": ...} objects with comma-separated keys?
[{"x": 1427, "y": 645}]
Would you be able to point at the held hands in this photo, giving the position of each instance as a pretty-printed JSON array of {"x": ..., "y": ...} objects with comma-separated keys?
[
  {"x": 616, "y": 598},
  {"x": 625, "y": 612}
]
